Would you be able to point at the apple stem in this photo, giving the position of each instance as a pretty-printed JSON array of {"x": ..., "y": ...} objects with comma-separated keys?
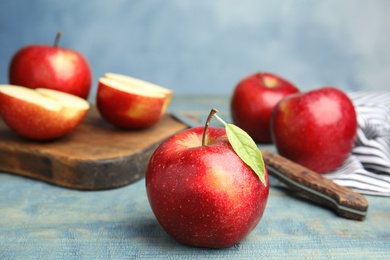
[
  {"x": 57, "y": 39},
  {"x": 212, "y": 113}
]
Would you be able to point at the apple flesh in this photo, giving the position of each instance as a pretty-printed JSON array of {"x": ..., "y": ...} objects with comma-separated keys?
[
  {"x": 52, "y": 67},
  {"x": 253, "y": 100},
  {"x": 204, "y": 195},
  {"x": 131, "y": 103},
  {"x": 316, "y": 129},
  {"x": 40, "y": 114}
]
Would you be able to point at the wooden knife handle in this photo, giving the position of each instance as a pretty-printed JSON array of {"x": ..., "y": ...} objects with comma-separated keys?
[{"x": 345, "y": 202}]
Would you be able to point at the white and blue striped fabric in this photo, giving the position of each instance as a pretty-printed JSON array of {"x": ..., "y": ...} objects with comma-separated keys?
[{"x": 367, "y": 169}]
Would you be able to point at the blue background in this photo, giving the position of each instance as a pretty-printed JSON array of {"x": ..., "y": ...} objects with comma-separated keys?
[{"x": 198, "y": 47}]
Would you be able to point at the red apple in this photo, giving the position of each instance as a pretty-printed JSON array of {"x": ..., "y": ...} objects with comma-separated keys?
[
  {"x": 253, "y": 100},
  {"x": 204, "y": 195},
  {"x": 40, "y": 114},
  {"x": 316, "y": 129},
  {"x": 131, "y": 103},
  {"x": 52, "y": 67}
]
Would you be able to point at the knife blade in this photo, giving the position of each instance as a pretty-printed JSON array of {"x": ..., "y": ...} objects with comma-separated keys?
[{"x": 312, "y": 185}]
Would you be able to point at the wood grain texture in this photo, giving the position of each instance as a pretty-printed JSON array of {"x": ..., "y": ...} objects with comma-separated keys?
[
  {"x": 346, "y": 202},
  {"x": 94, "y": 156}
]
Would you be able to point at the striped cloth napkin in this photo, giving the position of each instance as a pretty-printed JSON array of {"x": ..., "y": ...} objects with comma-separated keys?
[{"x": 367, "y": 169}]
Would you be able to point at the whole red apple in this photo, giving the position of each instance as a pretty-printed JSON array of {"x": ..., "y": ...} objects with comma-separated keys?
[
  {"x": 204, "y": 195},
  {"x": 52, "y": 67},
  {"x": 253, "y": 100},
  {"x": 316, "y": 129}
]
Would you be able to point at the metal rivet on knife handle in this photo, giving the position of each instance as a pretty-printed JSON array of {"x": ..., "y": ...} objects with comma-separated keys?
[{"x": 345, "y": 202}]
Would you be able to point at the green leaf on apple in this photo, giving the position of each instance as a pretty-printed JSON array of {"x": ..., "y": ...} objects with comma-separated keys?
[{"x": 245, "y": 148}]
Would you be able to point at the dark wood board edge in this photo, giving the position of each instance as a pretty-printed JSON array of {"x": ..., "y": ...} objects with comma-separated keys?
[{"x": 80, "y": 174}]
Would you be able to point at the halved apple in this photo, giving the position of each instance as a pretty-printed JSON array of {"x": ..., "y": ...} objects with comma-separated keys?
[
  {"x": 131, "y": 103},
  {"x": 40, "y": 114}
]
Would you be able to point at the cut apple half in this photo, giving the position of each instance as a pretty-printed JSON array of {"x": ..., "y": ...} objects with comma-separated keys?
[
  {"x": 40, "y": 114},
  {"x": 137, "y": 90},
  {"x": 131, "y": 103},
  {"x": 30, "y": 95},
  {"x": 138, "y": 83},
  {"x": 70, "y": 104}
]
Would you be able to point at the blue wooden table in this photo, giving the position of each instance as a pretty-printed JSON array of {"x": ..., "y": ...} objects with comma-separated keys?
[{"x": 42, "y": 221}]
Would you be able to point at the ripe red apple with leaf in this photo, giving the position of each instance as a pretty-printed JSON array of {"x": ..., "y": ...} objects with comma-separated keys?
[
  {"x": 208, "y": 186},
  {"x": 253, "y": 100},
  {"x": 316, "y": 129},
  {"x": 131, "y": 103},
  {"x": 52, "y": 67},
  {"x": 40, "y": 114}
]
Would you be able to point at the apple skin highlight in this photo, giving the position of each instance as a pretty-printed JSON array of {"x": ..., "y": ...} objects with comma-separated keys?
[{"x": 204, "y": 196}]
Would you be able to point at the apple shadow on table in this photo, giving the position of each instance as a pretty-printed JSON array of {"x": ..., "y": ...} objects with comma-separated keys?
[{"x": 151, "y": 232}]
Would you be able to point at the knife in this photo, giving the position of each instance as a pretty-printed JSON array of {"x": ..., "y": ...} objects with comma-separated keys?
[{"x": 345, "y": 202}]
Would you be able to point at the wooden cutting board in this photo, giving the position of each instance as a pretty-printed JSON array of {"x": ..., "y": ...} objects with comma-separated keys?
[{"x": 94, "y": 156}]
